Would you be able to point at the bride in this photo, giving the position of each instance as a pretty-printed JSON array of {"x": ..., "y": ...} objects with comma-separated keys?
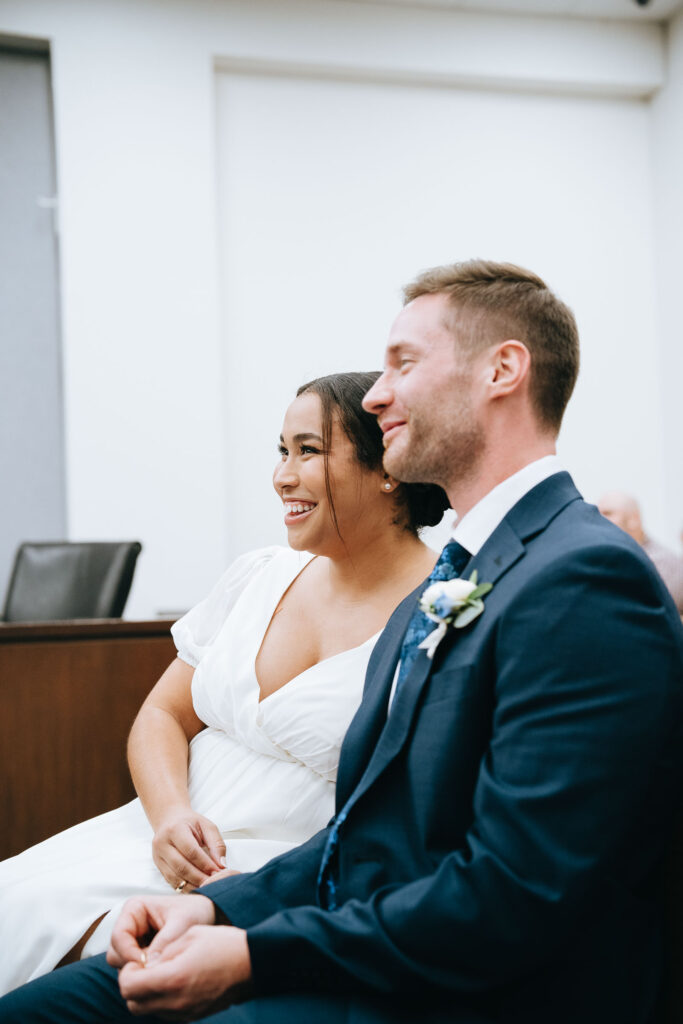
[{"x": 234, "y": 752}]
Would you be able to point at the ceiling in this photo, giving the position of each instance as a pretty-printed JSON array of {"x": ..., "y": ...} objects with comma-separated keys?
[{"x": 656, "y": 10}]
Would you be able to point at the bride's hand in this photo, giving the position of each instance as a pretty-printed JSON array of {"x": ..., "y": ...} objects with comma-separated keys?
[{"x": 188, "y": 848}]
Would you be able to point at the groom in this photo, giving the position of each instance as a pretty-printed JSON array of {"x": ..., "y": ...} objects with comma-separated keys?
[{"x": 504, "y": 796}]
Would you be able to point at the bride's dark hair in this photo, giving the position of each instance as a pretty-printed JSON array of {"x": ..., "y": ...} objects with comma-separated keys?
[{"x": 341, "y": 395}]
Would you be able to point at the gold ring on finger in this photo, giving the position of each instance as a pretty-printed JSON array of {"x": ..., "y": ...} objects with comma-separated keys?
[{"x": 181, "y": 885}]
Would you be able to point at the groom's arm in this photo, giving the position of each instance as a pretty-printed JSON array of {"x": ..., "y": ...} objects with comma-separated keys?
[
  {"x": 188, "y": 968},
  {"x": 286, "y": 881},
  {"x": 582, "y": 758}
]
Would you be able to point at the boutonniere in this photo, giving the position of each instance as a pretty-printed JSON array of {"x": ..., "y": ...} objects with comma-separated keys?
[{"x": 453, "y": 603}]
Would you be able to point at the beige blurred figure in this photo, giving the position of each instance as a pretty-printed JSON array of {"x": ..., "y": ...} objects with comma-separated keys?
[{"x": 623, "y": 510}]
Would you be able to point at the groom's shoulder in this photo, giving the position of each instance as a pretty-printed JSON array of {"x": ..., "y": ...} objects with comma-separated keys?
[
  {"x": 554, "y": 521},
  {"x": 580, "y": 531},
  {"x": 581, "y": 552}
]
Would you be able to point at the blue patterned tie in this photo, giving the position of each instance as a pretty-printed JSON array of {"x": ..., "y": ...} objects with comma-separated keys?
[{"x": 452, "y": 561}]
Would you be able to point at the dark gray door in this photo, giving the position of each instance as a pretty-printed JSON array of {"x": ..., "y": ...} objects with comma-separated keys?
[{"x": 32, "y": 487}]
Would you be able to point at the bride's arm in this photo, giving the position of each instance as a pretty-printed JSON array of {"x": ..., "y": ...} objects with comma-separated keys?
[{"x": 187, "y": 846}]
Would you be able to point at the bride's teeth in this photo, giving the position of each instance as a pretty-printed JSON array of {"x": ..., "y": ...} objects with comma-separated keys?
[{"x": 297, "y": 508}]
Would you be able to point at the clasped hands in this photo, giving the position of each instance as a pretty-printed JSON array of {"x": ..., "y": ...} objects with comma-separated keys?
[{"x": 191, "y": 965}]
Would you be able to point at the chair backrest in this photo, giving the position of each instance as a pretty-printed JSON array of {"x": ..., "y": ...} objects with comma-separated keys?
[{"x": 66, "y": 580}]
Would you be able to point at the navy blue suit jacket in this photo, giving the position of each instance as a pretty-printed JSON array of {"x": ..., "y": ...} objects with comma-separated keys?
[{"x": 508, "y": 817}]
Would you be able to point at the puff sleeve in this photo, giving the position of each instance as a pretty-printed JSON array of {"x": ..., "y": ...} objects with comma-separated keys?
[{"x": 194, "y": 633}]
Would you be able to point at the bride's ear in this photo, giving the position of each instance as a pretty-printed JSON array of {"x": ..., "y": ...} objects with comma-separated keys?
[{"x": 389, "y": 484}]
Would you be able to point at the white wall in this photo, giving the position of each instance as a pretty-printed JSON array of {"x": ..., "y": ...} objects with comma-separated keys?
[
  {"x": 145, "y": 365},
  {"x": 667, "y": 151},
  {"x": 333, "y": 193}
]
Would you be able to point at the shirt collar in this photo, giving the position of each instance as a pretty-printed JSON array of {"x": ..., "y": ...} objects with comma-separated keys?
[{"x": 475, "y": 528}]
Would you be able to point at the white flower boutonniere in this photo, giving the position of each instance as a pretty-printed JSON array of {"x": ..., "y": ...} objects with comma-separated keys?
[{"x": 451, "y": 603}]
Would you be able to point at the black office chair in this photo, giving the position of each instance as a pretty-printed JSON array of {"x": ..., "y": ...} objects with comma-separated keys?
[{"x": 63, "y": 580}]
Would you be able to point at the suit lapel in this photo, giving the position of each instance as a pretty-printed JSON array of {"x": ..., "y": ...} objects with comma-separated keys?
[
  {"x": 502, "y": 550},
  {"x": 366, "y": 727}
]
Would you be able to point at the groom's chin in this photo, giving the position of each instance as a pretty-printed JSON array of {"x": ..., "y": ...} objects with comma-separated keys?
[
  {"x": 396, "y": 462},
  {"x": 402, "y": 467}
]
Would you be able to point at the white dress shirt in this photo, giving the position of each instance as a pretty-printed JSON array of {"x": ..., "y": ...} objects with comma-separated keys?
[{"x": 475, "y": 528}]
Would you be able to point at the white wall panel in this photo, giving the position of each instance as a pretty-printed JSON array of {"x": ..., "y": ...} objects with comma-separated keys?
[{"x": 332, "y": 194}]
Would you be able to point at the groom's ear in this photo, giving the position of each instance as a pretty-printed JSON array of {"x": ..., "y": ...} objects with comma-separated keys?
[{"x": 508, "y": 368}]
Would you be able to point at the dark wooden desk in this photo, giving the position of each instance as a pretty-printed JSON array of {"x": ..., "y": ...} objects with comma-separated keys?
[{"x": 69, "y": 692}]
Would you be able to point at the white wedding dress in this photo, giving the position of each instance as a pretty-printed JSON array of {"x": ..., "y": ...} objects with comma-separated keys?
[{"x": 263, "y": 772}]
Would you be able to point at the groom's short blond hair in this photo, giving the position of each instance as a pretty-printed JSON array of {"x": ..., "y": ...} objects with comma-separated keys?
[{"x": 494, "y": 302}]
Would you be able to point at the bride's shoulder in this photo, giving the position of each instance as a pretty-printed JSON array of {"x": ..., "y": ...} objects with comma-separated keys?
[
  {"x": 198, "y": 628},
  {"x": 268, "y": 561},
  {"x": 239, "y": 573},
  {"x": 251, "y": 561},
  {"x": 275, "y": 556}
]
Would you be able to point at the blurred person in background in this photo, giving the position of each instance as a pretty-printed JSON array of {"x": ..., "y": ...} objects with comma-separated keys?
[{"x": 623, "y": 510}]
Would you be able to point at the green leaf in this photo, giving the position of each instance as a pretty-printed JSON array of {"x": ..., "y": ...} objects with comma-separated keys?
[
  {"x": 468, "y": 614},
  {"x": 479, "y": 591},
  {"x": 474, "y": 577}
]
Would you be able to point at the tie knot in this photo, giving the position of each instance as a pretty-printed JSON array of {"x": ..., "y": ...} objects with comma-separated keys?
[{"x": 451, "y": 563}]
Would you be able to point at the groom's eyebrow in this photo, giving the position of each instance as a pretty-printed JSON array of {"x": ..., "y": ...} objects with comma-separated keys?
[{"x": 395, "y": 349}]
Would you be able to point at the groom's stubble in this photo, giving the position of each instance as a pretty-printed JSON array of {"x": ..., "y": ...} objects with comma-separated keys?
[{"x": 443, "y": 442}]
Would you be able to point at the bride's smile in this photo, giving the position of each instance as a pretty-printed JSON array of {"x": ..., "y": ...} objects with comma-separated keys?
[
  {"x": 328, "y": 496},
  {"x": 235, "y": 750},
  {"x": 296, "y": 510}
]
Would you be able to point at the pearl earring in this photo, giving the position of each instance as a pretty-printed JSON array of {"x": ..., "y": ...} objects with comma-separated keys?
[{"x": 387, "y": 486}]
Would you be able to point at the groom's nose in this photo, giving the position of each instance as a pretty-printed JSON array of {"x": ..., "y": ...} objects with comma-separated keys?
[{"x": 378, "y": 397}]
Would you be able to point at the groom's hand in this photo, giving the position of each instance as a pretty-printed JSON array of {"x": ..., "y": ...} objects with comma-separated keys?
[
  {"x": 204, "y": 969},
  {"x": 147, "y": 924}
]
